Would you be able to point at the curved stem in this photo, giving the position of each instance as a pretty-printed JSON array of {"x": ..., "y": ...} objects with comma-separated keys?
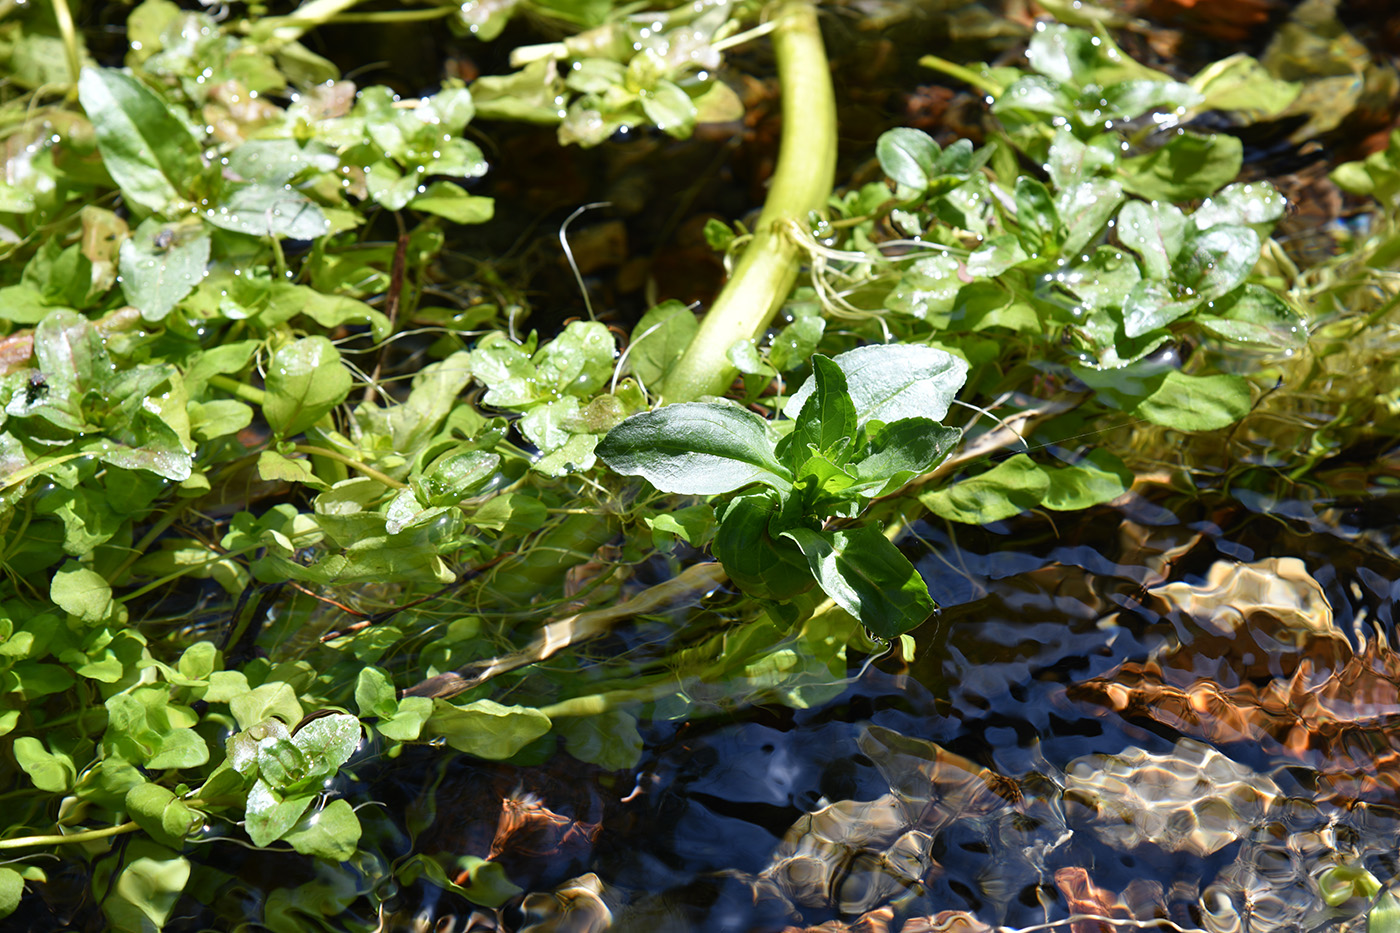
[
  {"x": 55, "y": 839},
  {"x": 338, "y": 457},
  {"x": 802, "y": 183}
]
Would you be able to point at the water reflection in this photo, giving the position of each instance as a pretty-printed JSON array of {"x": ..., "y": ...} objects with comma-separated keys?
[{"x": 1159, "y": 715}]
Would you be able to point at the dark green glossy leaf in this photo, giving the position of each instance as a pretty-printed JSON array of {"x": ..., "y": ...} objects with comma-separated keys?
[
  {"x": 1254, "y": 314},
  {"x": 903, "y": 449},
  {"x": 759, "y": 563},
  {"x": 269, "y": 210},
  {"x": 1085, "y": 208},
  {"x": 700, "y": 448},
  {"x": 826, "y": 418},
  {"x": 867, "y": 576},
  {"x": 149, "y": 151},
  {"x": 1035, "y": 212}
]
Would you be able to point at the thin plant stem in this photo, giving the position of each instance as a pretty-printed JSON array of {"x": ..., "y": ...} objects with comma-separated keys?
[{"x": 57, "y": 839}]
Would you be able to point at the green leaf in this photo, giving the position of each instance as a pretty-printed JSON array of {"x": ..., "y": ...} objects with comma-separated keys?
[
  {"x": 579, "y": 361},
  {"x": 1064, "y": 54},
  {"x": 901, "y": 450},
  {"x": 81, "y": 592},
  {"x": 1215, "y": 261},
  {"x": 272, "y": 700},
  {"x": 1253, "y": 314},
  {"x": 374, "y": 694},
  {"x": 486, "y": 882},
  {"x": 268, "y": 210},
  {"x": 1085, "y": 208},
  {"x": 270, "y": 815},
  {"x": 1128, "y": 100},
  {"x": 659, "y": 339},
  {"x": 149, "y": 152},
  {"x": 331, "y": 833},
  {"x": 274, "y": 468},
  {"x": 140, "y": 899},
  {"x": 49, "y": 771},
  {"x": 485, "y": 728},
  {"x": 1241, "y": 85},
  {"x": 1340, "y": 883},
  {"x": 1385, "y": 914},
  {"x": 1188, "y": 167},
  {"x": 908, "y": 156},
  {"x": 1196, "y": 403},
  {"x": 895, "y": 381},
  {"x": 11, "y": 890},
  {"x": 928, "y": 287},
  {"x": 161, "y": 265},
  {"x": 699, "y": 448},
  {"x": 305, "y": 380},
  {"x": 327, "y": 742},
  {"x": 161, "y": 813},
  {"x": 608, "y": 739},
  {"x": 407, "y": 723},
  {"x": 1156, "y": 232},
  {"x": 454, "y": 202},
  {"x": 285, "y": 301},
  {"x": 867, "y": 576},
  {"x": 826, "y": 418},
  {"x": 1153, "y": 303},
  {"x": 1035, "y": 212},
  {"x": 759, "y": 563},
  {"x": 1007, "y": 489},
  {"x": 669, "y": 108},
  {"x": 1072, "y": 161},
  {"x": 995, "y": 256},
  {"x": 1257, "y": 205},
  {"x": 1100, "y": 477}
]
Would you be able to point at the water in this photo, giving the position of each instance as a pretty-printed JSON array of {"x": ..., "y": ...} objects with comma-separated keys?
[{"x": 1041, "y": 758}]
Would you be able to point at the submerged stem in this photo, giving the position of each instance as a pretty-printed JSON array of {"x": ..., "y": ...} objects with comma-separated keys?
[{"x": 802, "y": 183}]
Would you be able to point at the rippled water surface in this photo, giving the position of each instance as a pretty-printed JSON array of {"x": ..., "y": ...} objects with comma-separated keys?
[{"x": 1177, "y": 712}]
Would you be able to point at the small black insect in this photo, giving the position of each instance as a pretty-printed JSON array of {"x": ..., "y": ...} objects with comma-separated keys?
[{"x": 37, "y": 388}]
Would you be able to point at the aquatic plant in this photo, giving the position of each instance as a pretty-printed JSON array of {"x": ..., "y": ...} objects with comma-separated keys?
[{"x": 241, "y": 536}]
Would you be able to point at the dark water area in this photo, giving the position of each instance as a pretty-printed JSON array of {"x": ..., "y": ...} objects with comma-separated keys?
[{"x": 1001, "y": 773}]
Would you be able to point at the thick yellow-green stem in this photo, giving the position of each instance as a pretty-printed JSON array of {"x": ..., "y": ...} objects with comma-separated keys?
[{"x": 802, "y": 183}]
